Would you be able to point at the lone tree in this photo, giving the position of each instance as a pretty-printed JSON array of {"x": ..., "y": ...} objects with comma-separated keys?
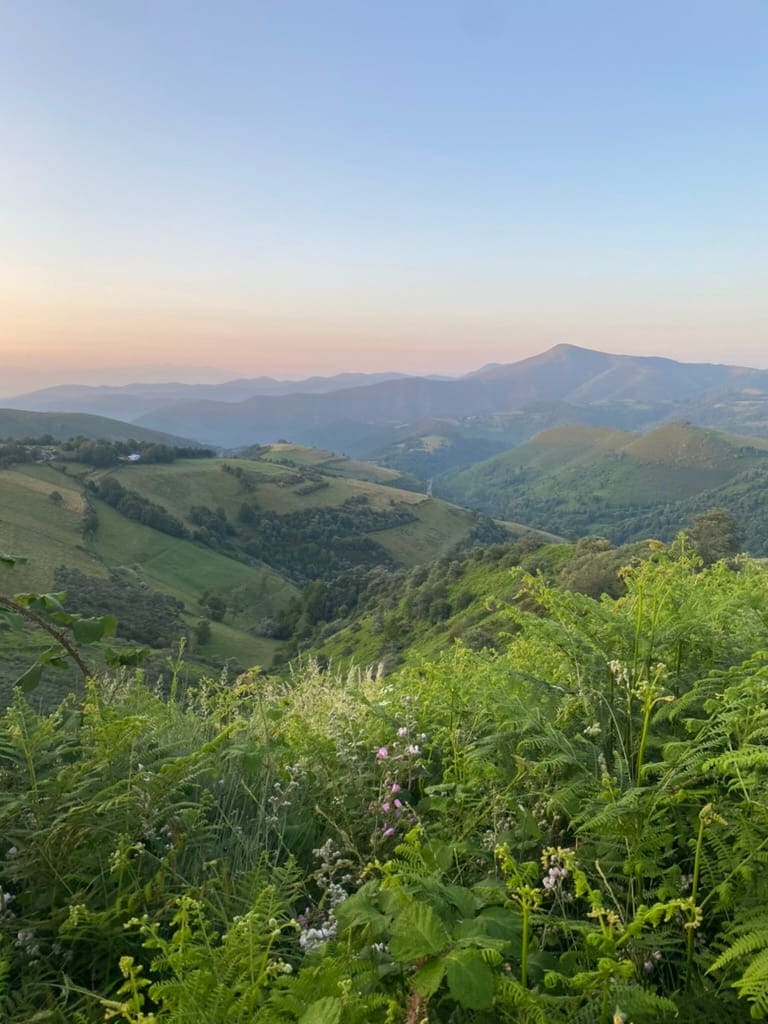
[
  {"x": 714, "y": 535},
  {"x": 202, "y": 631}
]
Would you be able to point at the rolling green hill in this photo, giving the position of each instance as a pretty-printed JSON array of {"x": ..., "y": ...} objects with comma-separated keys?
[
  {"x": 333, "y": 465},
  {"x": 18, "y": 423},
  {"x": 306, "y": 495},
  {"x": 578, "y": 481},
  {"x": 49, "y": 534},
  {"x": 232, "y": 540}
]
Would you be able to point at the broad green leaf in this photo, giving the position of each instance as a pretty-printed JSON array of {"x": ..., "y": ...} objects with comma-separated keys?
[
  {"x": 30, "y": 679},
  {"x": 360, "y": 912},
  {"x": 463, "y": 899},
  {"x": 10, "y": 618},
  {"x": 53, "y": 656},
  {"x": 426, "y": 981},
  {"x": 130, "y": 657},
  {"x": 62, "y": 618},
  {"x": 323, "y": 1011},
  {"x": 88, "y": 631},
  {"x": 42, "y": 602},
  {"x": 418, "y": 932},
  {"x": 110, "y": 625},
  {"x": 502, "y": 923},
  {"x": 470, "y": 980}
]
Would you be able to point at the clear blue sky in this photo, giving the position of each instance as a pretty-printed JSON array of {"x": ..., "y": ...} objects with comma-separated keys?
[{"x": 286, "y": 185}]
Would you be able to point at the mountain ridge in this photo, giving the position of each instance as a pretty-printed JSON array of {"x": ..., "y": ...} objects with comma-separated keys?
[
  {"x": 565, "y": 374},
  {"x": 572, "y": 383}
]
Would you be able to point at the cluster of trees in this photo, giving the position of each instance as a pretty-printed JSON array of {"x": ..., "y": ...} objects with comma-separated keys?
[
  {"x": 101, "y": 454},
  {"x": 143, "y": 614},
  {"x": 133, "y": 505},
  {"x": 450, "y": 598},
  {"x": 14, "y": 453},
  {"x": 400, "y": 602},
  {"x": 745, "y": 501},
  {"x": 320, "y": 543},
  {"x": 587, "y": 507}
]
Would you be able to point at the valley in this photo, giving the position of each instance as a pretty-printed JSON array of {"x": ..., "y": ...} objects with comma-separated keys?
[{"x": 232, "y": 541}]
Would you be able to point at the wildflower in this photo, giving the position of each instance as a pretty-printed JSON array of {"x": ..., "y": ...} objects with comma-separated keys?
[
  {"x": 648, "y": 966},
  {"x": 395, "y": 788},
  {"x": 402, "y": 731},
  {"x": 12, "y": 852},
  {"x": 386, "y": 806},
  {"x": 398, "y": 805},
  {"x": 413, "y": 750},
  {"x": 311, "y": 938},
  {"x": 388, "y": 833},
  {"x": 382, "y": 754}
]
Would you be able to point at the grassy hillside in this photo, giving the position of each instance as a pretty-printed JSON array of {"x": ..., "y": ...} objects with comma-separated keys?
[
  {"x": 232, "y": 540},
  {"x": 466, "y": 598},
  {"x": 49, "y": 535},
  {"x": 311, "y": 484},
  {"x": 578, "y": 481},
  {"x": 18, "y": 423},
  {"x": 330, "y": 464}
]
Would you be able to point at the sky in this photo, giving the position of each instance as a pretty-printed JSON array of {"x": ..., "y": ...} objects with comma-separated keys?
[{"x": 199, "y": 189}]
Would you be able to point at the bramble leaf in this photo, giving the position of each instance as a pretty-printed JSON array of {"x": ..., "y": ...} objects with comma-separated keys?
[
  {"x": 470, "y": 979},
  {"x": 418, "y": 932}
]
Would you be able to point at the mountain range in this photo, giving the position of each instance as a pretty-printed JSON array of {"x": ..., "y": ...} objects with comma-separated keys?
[
  {"x": 129, "y": 401},
  {"x": 363, "y": 414}
]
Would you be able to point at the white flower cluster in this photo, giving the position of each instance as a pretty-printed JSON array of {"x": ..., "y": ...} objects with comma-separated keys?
[
  {"x": 319, "y": 926},
  {"x": 311, "y": 938}
]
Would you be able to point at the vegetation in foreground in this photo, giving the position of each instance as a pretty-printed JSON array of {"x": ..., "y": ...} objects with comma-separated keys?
[{"x": 573, "y": 829}]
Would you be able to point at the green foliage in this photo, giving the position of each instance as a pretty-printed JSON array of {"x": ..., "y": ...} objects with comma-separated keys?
[
  {"x": 571, "y": 828},
  {"x": 714, "y": 535},
  {"x": 331, "y": 540},
  {"x": 142, "y": 614}
]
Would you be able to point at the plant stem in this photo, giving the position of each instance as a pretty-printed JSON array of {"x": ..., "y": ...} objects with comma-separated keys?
[
  {"x": 694, "y": 890},
  {"x": 60, "y": 637}
]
